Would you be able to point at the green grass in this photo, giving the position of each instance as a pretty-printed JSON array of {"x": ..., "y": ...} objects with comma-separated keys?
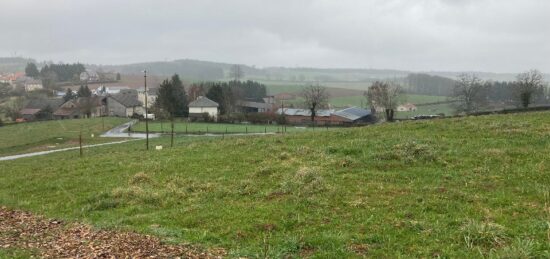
[
  {"x": 10, "y": 253},
  {"x": 218, "y": 128},
  {"x": 44, "y": 135},
  {"x": 462, "y": 187}
]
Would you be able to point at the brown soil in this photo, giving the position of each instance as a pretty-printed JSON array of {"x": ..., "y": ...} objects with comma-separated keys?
[{"x": 56, "y": 239}]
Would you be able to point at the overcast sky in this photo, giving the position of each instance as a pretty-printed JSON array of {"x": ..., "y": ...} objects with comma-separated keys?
[{"x": 419, "y": 35}]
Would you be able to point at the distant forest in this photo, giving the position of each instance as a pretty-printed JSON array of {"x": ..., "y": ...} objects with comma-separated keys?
[{"x": 429, "y": 85}]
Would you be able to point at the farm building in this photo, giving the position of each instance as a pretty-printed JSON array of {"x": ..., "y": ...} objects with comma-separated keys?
[
  {"x": 327, "y": 117},
  {"x": 202, "y": 106},
  {"x": 40, "y": 109},
  {"x": 124, "y": 104},
  {"x": 356, "y": 115},
  {"x": 82, "y": 107},
  {"x": 266, "y": 104}
]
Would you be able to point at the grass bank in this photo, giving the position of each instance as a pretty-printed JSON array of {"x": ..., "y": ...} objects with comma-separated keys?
[
  {"x": 462, "y": 187},
  {"x": 45, "y": 135}
]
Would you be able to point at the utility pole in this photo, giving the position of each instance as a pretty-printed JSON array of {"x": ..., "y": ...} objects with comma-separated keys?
[{"x": 146, "y": 114}]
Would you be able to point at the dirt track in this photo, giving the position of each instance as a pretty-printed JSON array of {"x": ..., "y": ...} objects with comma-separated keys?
[{"x": 56, "y": 239}]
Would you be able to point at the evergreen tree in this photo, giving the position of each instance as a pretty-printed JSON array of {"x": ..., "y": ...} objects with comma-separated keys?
[
  {"x": 84, "y": 91},
  {"x": 69, "y": 95},
  {"x": 172, "y": 99},
  {"x": 32, "y": 71}
]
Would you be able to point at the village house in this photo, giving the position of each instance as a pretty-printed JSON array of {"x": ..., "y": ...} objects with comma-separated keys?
[
  {"x": 82, "y": 107},
  {"x": 124, "y": 104},
  {"x": 202, "y": 106},
  {"x": 408, "y": 107},
  {"x": 89, "y": 76},
  {"x": 32, "y": 85},
  {"x": 40, "y": 109},
  {"x": 152, "y": 95}
]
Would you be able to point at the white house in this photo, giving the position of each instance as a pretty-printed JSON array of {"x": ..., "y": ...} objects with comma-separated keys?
[
  {"x": 408, "y": 107},
  {"x": 33, "y": 85},
  {"x": 152, "y": 95},
  {"x": 203, "y": 106},
  {"x": 89, "y": 76}
]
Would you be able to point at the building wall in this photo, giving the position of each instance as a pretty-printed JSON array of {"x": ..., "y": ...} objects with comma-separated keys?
[
  {"x": 115, "y": 108},
  {"x": 32, "y": 87},
  {"x": 325, "y": 120},
  {"x": 134, "y": 110},
  {"x": 212, "y": 111},
  {"x": 151, "y": 99}
]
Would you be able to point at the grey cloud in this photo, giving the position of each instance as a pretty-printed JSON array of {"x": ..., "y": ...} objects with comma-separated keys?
[{"x": 488, "y": 35}]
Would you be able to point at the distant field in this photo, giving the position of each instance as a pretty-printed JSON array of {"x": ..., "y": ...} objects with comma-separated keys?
[
  {"x": 474, "y": 187},
  {"x": 198, "y": 127},
  {"x": 46, "y": 135},
  {"x": 275, "y": 87}
]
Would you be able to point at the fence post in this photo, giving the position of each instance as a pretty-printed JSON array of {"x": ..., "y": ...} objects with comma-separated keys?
[
  {"x": 80, "y": 142},
  {"x": 265, "y": 130},
  {"x": 206, "y": 129},
  {"x": 246, "y": 128},
  {"x": 186, "y": 128}
]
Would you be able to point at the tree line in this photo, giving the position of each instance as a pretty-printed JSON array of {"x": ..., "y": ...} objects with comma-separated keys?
[
  {"x": 472, "y": 94},
  {"x": 52, "y": 73},
  {"x": 469, "y": 93}
]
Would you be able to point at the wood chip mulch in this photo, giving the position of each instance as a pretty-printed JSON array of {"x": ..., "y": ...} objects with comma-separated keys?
[{"x": 57, "y": 239}]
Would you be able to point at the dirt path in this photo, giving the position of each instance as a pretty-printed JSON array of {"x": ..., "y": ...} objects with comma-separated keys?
[{"x": 56, "y": 239}]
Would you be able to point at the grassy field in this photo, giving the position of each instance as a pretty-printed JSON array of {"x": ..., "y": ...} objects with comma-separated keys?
[
  {"x": 45, "y": 135},
  {"x": 472, "y": 187},
  {"x": 219, "y": 128}
]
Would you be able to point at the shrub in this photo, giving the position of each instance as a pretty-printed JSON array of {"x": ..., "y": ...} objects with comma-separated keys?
[
  {"x": 409, "y": 152},
  {"x": 140, "y": 178},
  {"x": 306, "y": 182},
  {"x": 483, "y": 234},
  {"x": 521, "y": 248},
  {"x": 260, "y": 118}
]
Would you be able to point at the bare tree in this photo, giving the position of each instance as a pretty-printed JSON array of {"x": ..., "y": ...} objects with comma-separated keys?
[
  {"x": 236, "y": 73},
  {"x": 470, "y": 93},
  {"x": 315, "y": 96},
  {"x": 12, "y": 110},
  {"x": 385, "y": 95},
  {"x": 527, "y": 85}
]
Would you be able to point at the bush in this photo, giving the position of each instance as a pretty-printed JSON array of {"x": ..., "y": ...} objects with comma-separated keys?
[
  {"x": 488, "y": 235},
  {"x": 260, "y": 118},
  {"x": 1, "y": 123},
  {"x": 306, "y": 182},
  {"x": 409, "y": 152}
]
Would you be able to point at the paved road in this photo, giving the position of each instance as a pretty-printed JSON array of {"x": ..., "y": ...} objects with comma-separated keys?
[
  {"x": 120, "y": 132},
  {"x": 41, "y": 153},
  {"x": 117, "y": 132}
]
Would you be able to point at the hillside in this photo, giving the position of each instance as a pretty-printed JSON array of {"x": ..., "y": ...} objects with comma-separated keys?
[
  {"x": 463, "y": 187},
  {"x": 12, "y": 65},
  {"x": 206, "y": 70}
]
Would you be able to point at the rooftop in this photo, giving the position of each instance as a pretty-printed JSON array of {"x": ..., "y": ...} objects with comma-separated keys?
[{"x": 203, "y": 102}]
